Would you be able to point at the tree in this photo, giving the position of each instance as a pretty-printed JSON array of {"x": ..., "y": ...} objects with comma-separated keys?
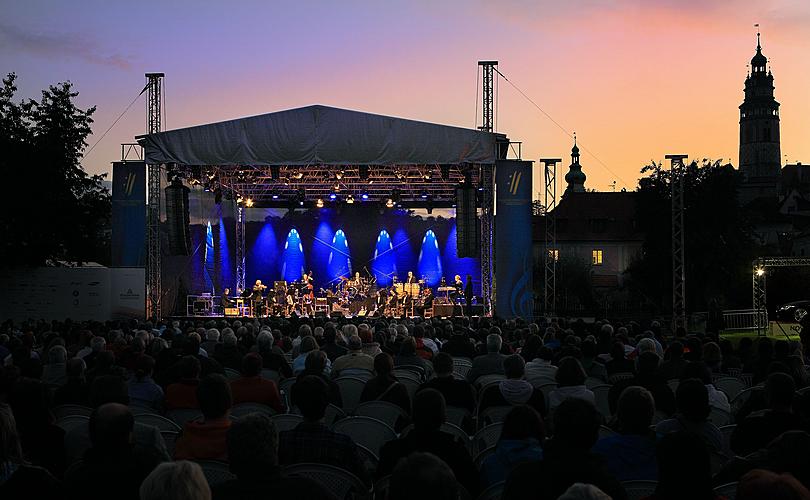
[
  {"x": 52, "y": 209},
  {"x": 719, "y": 246}
]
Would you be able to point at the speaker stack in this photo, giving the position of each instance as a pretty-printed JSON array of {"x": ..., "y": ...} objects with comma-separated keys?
[{"x": 177, "y": 220}]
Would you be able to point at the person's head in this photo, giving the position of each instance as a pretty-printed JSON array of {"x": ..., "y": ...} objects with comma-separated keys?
[
  {"x": 424, "y": 476},
  {"x": 252, "y": 445},
  {"x": 576, "y": 424},
  {"x": 494, "y": 343},
  {"x": 779, "y": 391},
  {"x": 647, "y": 363},
  {"x": 75, "y": 368},
  {"x": 265, "y": 341},
  {"x": 429, "y": 410},
  {"x": 308, "y": 343},
  {"x": 315, "y": 362},
  {"x": 214, "y": 396},
  {"x": 10, "y": 449},
  {"x": 711, "y": 354},
  {"x": 190, "y": 367},
  {"x": 514, "y": 366},
  {"x": 111, "y": 427},
  {"x": 251, "y": 365},
  {"x": 684, "y": 467},
  {"x": 180, "y": 480},
  {"x": 144, "y": 366},
  {"x": 108, "y": 389},
  {"x": 57, "y": 354},
  {"x": 443, "y": 364},
  {"x": 355, "y": 343},
  {"x": 229, "y": 339},
  {"x": 570, "y": 372},
  {"x": 408, "y": 347},
  {"x": 761, "y": 484},
  {"x": 692, "y": 400},
  {"x": 635, "y": 410},
  {"x": 582, "y": 491},
  {"x": 617, "y": 350},
  {"x": 522, "y": 423},
  {"x": 98, "y": 344},
  {"x": 676, "y": 350},
  {"x": 311, "y": 396},
  {"x": 698, "y": 370},
  {"x": 383, "y": 364}
]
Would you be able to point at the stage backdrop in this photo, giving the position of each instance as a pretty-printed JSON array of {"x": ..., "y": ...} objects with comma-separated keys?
[
  {"x": 129, "y": 214},
  {"x": 513, "y": 239}
]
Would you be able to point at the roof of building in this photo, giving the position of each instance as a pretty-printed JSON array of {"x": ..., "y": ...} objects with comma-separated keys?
[{"x": 595, "y": 216}]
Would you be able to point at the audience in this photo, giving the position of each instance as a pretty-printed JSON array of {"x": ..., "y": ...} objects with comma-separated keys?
[
  {"x": 570, "y": 379},
  {"x": 180, "y": 480},
  {"x": 384, "y": 386},
  {"x": 424, "y": 476},
  {"x": 355, "y": 362},
  {"x": 521, "y": 438},
  {"x": 457, "y": 393},
  {"x": 490, "y": 363},
  {"x": 18, "y": 479},
  {"x": 204, "y": 438},
  {"x": 251, "y": 387},
  {"x": 766, "y": 485},
  {"x": 692, "y": 400},
  {"x": 512, "y": 391},
  {"x": 684, "y": 469},
  {"x": 143, "y": 391}
]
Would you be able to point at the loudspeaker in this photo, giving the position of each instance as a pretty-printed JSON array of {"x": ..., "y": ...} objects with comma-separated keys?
[
  {"x": 177, "y": 220},
  {"x": 467, "y": 232}
]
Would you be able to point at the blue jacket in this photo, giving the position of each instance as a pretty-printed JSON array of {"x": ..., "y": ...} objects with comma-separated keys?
[{"x": 508, "y": 454}]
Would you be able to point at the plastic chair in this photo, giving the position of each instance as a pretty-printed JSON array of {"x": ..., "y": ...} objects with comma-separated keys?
[
  {"x": 591, "y": 382},
  {"x": 285, "y": 390},
  {"x": 273, "y": 375},
  {"x": 461, "y": 367},
  {"x": 366, "y": 431},
  {"x": 232, "y": 374},
  {"x": 731, "y": 386},
  {"x": 483, "y": 380},
  {"x": 482, "y": 455},
  {"x": 182, "y": 415},
  {"x": 351, "y": 389},
  {"x": 727, "y": 430},
  {"x": 636, "y": 490},
  {"x": 339, "y": 482},
  {"x": 728, "y": 491},
  {"x": 415, "y": 370},
  {"x": 383, "y": 411},
  {"x": 458, "y": 416},
  {"x": 215, "y": 472},
  {"x": 494, "y": 492},
  {"x": 69, "y": 422},
  {"x": 673, "y": 384},
  {"x": 367, "y": 457},
  {"x": 601, "y": 393},
  {"x": 486, "y": 437},
  {"x": 493, "y": 414},
  {"x": 170, "y": 440},
  {"x": 332, "y": 414},
  {"x": 243, "y": 409},
  {"x": 286, "y": 421},
  {"x": 162, "y": 423},
  {"x": 605, "y": 431},
  {"x": 618, "y": 377},
  {"x": 546, "y": 389},
  {"x": 381, "y": 488},
  {"x": 411, "y": 386},
  {"x": 68, "y": 410},
  {"x": 543, "y": 380}
]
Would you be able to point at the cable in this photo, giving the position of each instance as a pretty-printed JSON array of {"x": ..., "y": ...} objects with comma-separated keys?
[
  {"x": 113, "y": 125},
  {"x": 565, "y": 131}
]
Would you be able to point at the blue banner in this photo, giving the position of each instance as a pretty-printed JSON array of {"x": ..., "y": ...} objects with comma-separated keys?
[
  {"x": 129, "y": 214},
  {"x": 513, "y": 239}
]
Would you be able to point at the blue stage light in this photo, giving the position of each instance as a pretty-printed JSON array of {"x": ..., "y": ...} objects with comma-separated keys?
[
  {"x": 340, "y": 262},
  {"x": 364, "y": 196},
  {"x": 430, "y": 261},
  {"x": 383, "y": 265},
  {"x": 292, "y": 260}
]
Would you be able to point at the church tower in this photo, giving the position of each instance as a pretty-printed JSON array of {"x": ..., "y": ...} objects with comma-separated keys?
[
  {"x": 760, "y": 156},
  {"x": 575, "y": 176}
]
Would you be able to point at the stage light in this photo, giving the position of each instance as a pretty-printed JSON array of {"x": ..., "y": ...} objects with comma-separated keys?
[
  {"x": 424, "y": 195},
  {"x": 333, "y": 196},
  {"x": 339, "y": 174},
  {"x": 274, "y": 196},
  {"x": 349, "y": 200},
  {"x": 336, "y": 187},
  {"x": 319, "y": 203},
  {"x": 389, "y": 203},
  {"x": 760, "y": 271},
  {"x": 297, "y": 174},
  {"x": 364, "y": 196},
  {"x": 426, "y": 175},
  {"x": 249, "y": 202},
  {"x": 239, "y": 199}
]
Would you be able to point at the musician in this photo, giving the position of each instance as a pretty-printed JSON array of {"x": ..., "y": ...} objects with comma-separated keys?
[
  {"x": 428, "y": 299},
  {"x": 227, "y": 301},
  {"x": 411, "y": 278},
  {"x": 256, "y": 297},
  {"x": 459, "y": 288}
]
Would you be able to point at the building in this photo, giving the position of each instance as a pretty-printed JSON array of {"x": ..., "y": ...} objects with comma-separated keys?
[
  {"x": 760, "y": 158},
  {"x": 597, "y": 228}
]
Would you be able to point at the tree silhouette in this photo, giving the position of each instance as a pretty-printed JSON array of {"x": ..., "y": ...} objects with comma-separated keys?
[{"x": 52, "y": 209}]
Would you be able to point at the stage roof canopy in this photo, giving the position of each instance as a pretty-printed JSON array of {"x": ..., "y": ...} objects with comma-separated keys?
[{"x": 319, "y": 135}]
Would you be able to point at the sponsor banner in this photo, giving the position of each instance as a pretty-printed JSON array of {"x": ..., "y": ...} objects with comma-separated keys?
[{"x": 129, "y": 214}]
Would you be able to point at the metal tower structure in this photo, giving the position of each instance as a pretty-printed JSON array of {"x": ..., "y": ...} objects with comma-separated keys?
[
  {"x": 759, "y": 275},
  {"x": 153, "y": 269},
  {"x": 678, "y": 262},
  {"x": 550, "y": 218},
  {"x": 240, "y": 248},
  {"x": 488, "y": 109}
]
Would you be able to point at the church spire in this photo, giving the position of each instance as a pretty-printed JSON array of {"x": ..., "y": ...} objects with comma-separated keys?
[{"x": 575, "y": 176}]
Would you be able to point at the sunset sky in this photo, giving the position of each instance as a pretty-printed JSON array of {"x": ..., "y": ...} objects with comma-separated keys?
[{"x": 635, "y": 79}]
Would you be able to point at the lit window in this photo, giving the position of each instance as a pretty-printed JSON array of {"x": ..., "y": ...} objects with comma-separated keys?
[
  {"x": 554, "y": 254},
  {"x": 596, "y": 257}
]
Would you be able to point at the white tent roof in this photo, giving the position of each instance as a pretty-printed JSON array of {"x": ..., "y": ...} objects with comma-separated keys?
[{"x": 319, "y": 135}]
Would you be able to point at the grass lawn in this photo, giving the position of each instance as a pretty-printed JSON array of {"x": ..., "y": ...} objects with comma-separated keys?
[{"x": 775, "y": 331}]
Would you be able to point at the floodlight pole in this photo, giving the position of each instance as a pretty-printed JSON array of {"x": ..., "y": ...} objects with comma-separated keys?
[
  {"x": 678, "y": 262},
  {"x": 153, "y": 267},
  {"x": 550, "y": 219}
]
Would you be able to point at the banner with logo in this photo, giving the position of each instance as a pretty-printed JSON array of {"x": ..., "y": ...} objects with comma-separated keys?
[
  {"x": 129, "y": 214},
  {"x": 127, "y": 296},
  {"x": 513, "y": 239}
]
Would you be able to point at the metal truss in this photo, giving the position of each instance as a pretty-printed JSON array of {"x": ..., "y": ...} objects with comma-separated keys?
[
  {"x": 487, "y": 237},
  {"x": 153, "y": 267},
  {"x": 488, "y": 110},
  {"x": 550, "y": 239},
  {"x": 759, "y": 282},
  {"x": 678, "y": 262},
  {"x": 240, "y": 248}
]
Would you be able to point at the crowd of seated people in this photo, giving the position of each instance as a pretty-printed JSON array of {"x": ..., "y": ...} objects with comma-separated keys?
[{"x": 238, "y": 409}]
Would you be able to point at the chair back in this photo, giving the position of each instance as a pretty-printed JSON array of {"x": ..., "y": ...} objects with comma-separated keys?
[
  {"x": 458, "y": 416},
  {"x": 730, "y": 386},
  {"x": 486, "y": 437},
  {"x": 461, "y": 367},
  {"x": 494, "y": 492},
  {"x": 600, "y": 393},
  {"x": 182, "y": 415},
  {"x": 740, "y": 399},
  {"x": 243, "y": 409},
  {"x": 351, "y": 389},
  {"x": 273, "y": 375},
  {"x": 285, "y": 390},
  {"x": 482, "y": 455},
  {"x": 618, "y": 377},
  {"x": 605, "y": 431},
  {"x": 366, "y": 431},
  {"x": 170, "y": 440},
  {"x": 215, "y": 472},
  {"x": 727, "y": 491},
  {"x": 488, "y": 379},
  {"x": 727, "y": 430},
  {"x": 67, "y": 410},
  {"x": 591, "y": 382},
  {"x": 232, "y": 374},
  {"x": 69, "y": 422},
  {"x": 383, "y": 411},
  {"x": 410, "y": 385},
  {"x": 381, "y": 488},
  {"x": 162, "y": 423},
  {"x": 286, "y": 421},
  {"x": 636, "y": 490},
  {"x": 546, "y": 389},
  {"x": 720, "y": 417},
  {"x": 493, "y": 414},
  {"x": 341, "y": 483}
]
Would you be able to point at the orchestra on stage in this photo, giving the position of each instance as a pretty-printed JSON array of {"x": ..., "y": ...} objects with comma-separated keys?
[{"x": 351, "y": 296}]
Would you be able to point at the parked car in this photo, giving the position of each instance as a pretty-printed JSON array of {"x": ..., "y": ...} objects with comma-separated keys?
[{"x": 793, "y": 312}]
